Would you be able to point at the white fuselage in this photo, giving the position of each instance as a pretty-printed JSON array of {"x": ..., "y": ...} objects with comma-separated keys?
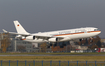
[
  {"x": 67, "y": 35},
  {"x": 54, "y": 36}
]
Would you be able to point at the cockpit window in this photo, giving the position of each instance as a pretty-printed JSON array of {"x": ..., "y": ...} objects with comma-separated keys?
[{"x": 95, "y": 29}]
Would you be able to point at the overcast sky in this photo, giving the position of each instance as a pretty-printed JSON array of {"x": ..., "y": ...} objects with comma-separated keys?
[{"x": 50, "y": 15}]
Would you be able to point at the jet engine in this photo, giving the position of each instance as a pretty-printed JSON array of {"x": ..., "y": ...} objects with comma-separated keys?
[
  {"x": 20, "y": 37},
  {"x": 59, "y": 39},
  {"x": 53, "y": 40},
  {"x": 23, "y": 38},
  {"x": 30, "y": 38}
]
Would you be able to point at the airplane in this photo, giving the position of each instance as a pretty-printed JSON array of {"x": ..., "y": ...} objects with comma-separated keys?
[{"x": 54, "y": 36}]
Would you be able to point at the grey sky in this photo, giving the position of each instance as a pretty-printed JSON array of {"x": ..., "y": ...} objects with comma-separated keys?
[{"x": 50, "y": 15}]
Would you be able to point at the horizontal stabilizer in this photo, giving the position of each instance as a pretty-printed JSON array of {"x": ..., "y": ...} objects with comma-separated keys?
[{"x": 5, "y": 31}]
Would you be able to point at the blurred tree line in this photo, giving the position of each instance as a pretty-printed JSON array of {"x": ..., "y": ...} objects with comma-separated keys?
[
  {"x": 92, "y": 43},
  {"x": 4, "y": 41}
]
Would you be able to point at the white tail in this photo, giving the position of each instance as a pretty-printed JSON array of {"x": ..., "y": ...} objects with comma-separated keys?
[{"x": 19, "y": 28}]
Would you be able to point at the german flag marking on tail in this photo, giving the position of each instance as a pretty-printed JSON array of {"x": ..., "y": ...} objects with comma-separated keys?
[{"x": 18, "y": 25}]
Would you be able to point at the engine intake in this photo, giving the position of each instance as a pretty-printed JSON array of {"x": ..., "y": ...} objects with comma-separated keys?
[{"x": 33, "y": 37}]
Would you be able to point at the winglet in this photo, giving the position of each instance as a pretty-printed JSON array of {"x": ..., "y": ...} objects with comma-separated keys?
[{"x": 5, "y": 31}]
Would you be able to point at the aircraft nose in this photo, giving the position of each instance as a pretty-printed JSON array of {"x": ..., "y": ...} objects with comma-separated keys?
[{"x": 99, "y": 31}]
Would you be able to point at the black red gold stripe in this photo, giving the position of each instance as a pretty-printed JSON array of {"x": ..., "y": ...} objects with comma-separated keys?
[{"x": 76, "y": 33}]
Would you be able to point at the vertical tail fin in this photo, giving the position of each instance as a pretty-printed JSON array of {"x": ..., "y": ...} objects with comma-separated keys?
[{"x": 19, "y": 28}]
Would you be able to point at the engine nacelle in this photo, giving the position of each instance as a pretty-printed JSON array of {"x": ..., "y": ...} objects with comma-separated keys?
[
  {"x": 30, "y": 38},
  {"x": 65, "y": 39},
  {"x": 18, "y": 37},
  {"x": 23, "y": 38},
  {"x": 59, "y": 40},
  {"x": 53, "y": 40}
]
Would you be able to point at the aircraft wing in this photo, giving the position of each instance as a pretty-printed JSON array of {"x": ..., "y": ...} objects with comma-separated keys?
[{"x": 45, "y": 37}]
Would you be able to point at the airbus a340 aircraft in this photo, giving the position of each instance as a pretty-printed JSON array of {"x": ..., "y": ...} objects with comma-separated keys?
[{"x": 54, "y": 36}]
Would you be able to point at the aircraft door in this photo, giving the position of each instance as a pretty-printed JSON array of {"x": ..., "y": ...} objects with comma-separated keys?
[{"x": 85, "y": 31}]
